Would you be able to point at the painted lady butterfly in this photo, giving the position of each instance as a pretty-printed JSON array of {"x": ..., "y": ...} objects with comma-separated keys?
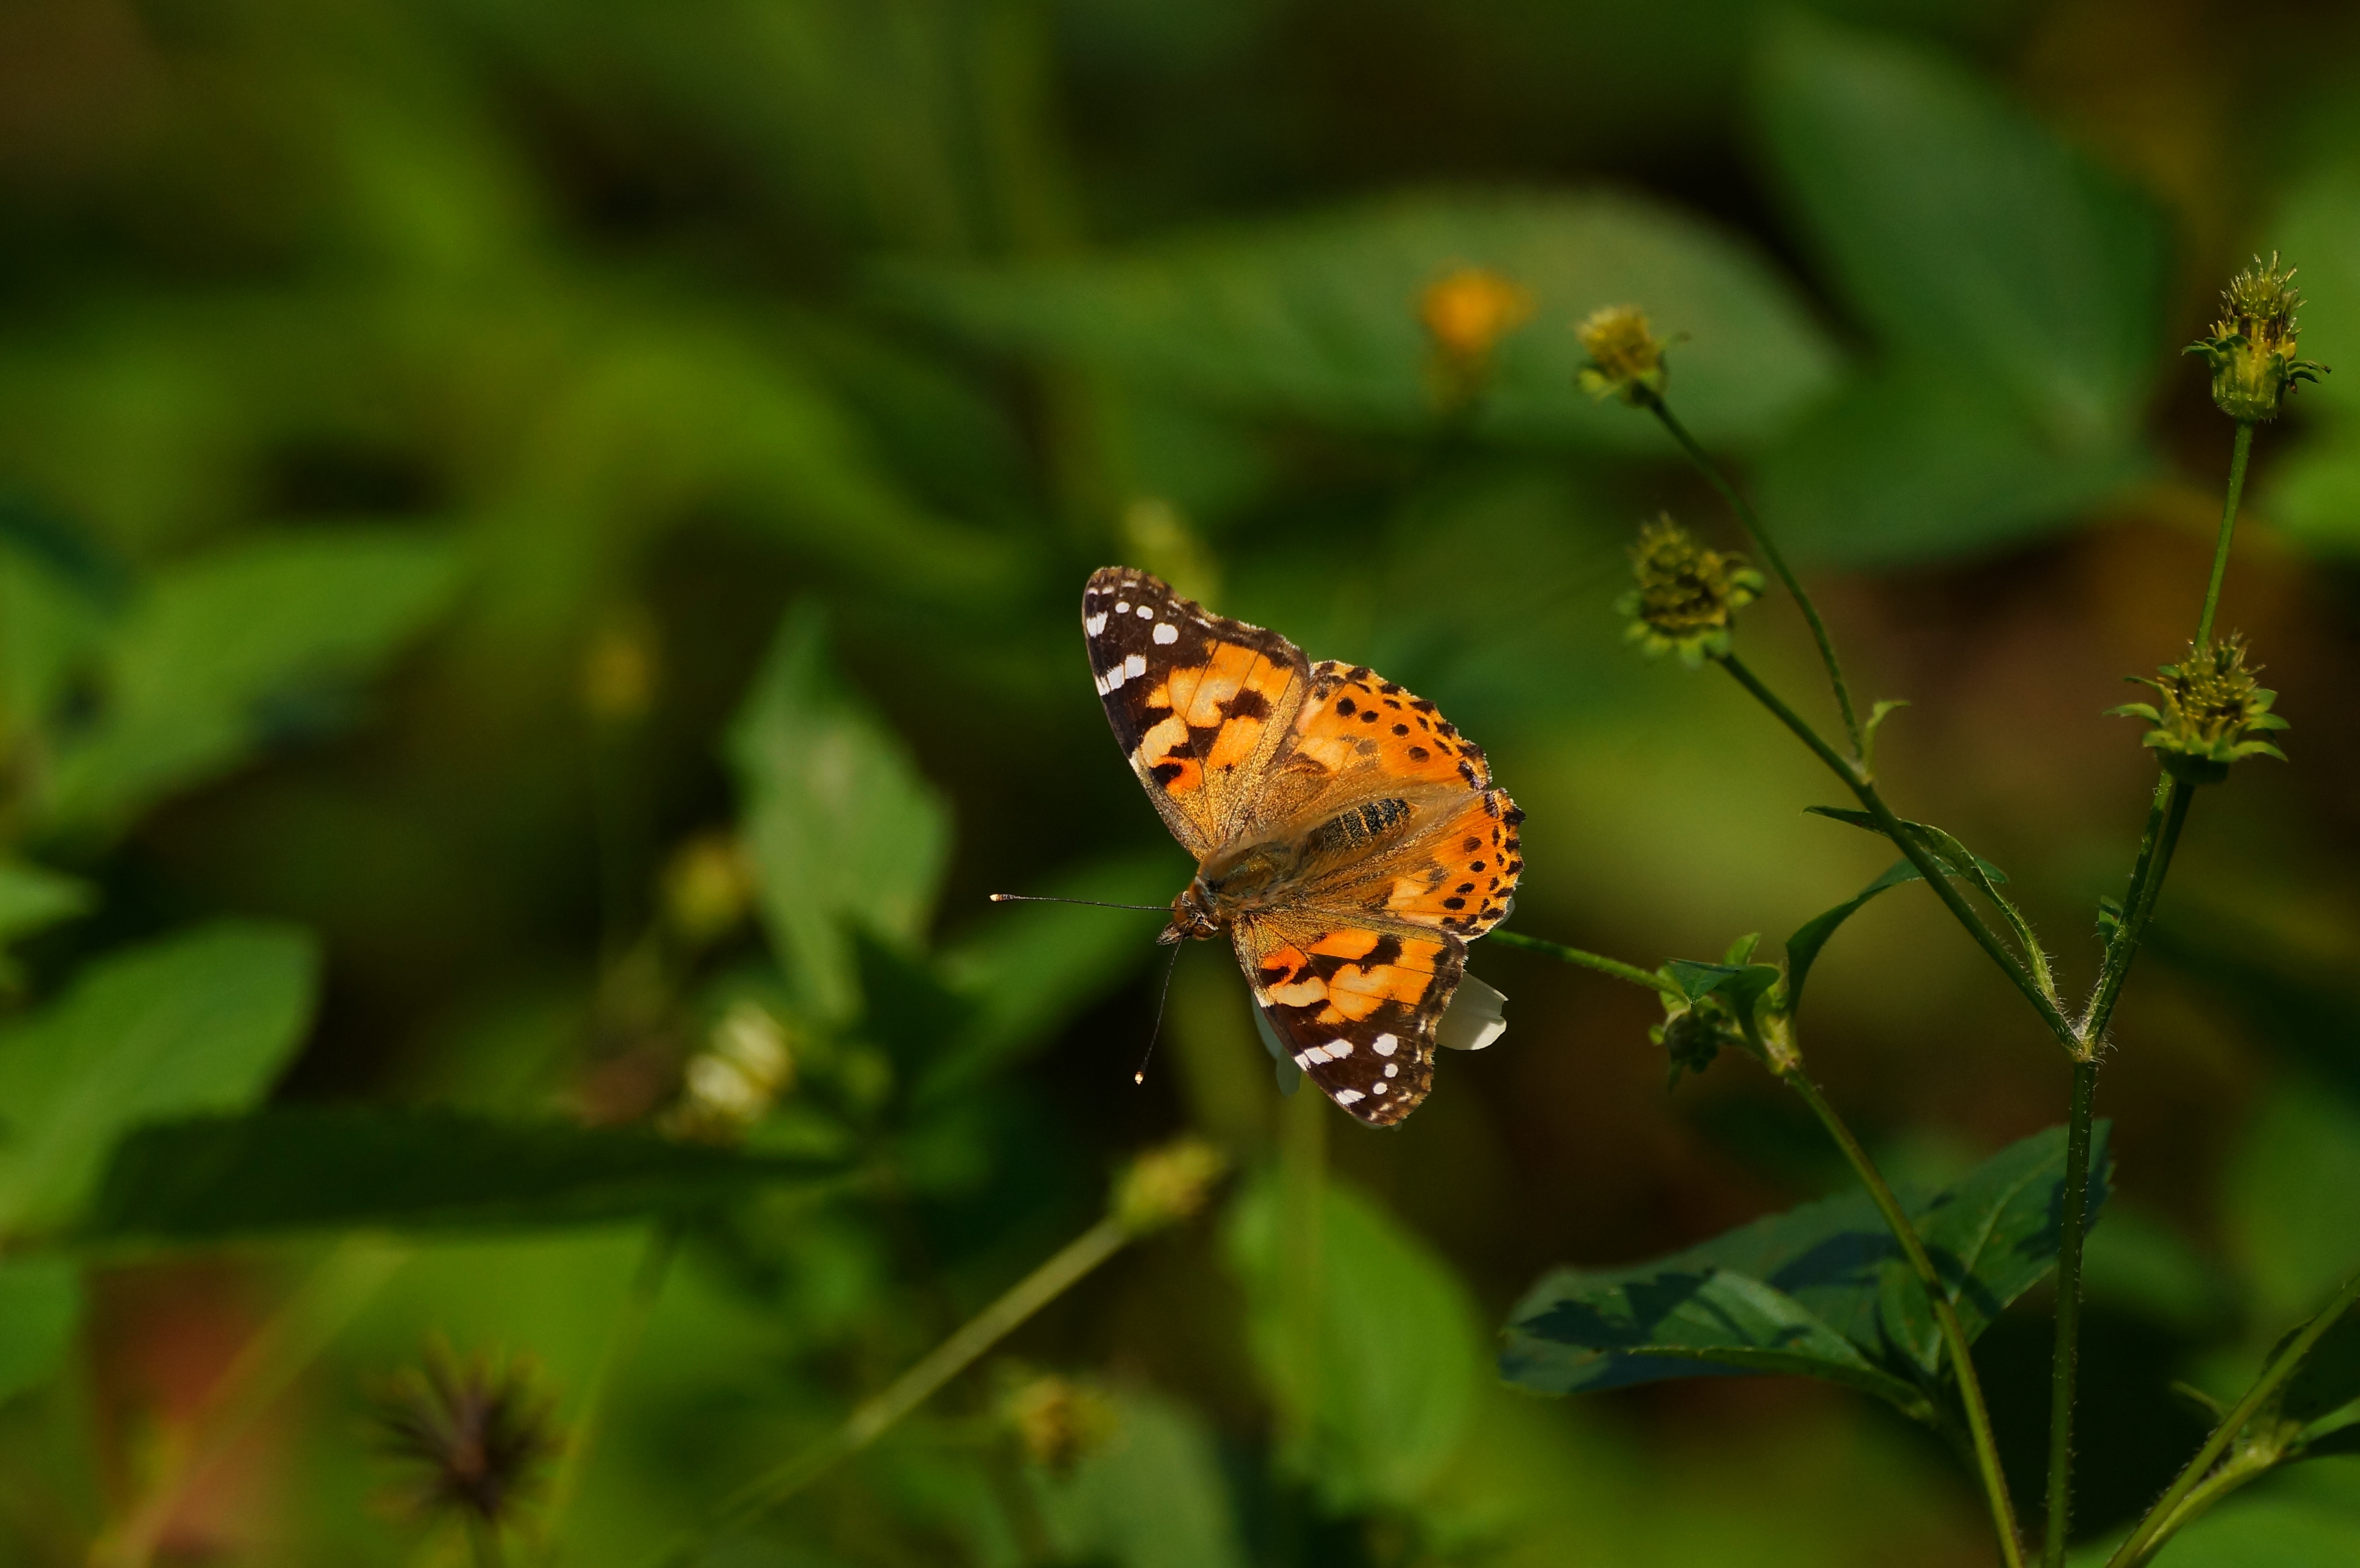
[{"x": 1345, "y": 834}]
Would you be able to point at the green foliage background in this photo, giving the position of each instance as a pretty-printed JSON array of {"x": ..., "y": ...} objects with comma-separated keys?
[{"x": 381, "y": 385}]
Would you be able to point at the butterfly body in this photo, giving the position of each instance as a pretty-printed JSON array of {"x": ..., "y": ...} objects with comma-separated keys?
[{"x": 1348, "y": 838}]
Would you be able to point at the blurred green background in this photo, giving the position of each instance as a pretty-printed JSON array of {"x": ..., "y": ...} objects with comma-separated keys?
[{"x": 467, "y": 465}]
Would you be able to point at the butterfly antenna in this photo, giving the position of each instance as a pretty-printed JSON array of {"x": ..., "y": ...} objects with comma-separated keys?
[
  {"x": 1093, "y": 903},
  {"x": 1157, "y": 1033}
]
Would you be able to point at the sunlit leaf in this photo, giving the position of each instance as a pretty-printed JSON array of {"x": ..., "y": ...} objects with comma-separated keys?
[
  {"x": 845, "y": 831},
  {"x": 32, "y": 898},
  {"x": 195, "y": 1024},
  {"x": 295, "y": 1170},
  {"x": 1317, "y": 317}
]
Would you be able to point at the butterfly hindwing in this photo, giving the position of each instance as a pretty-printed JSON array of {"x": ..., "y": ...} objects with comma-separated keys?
[
  {"x": 1200, "y": 704},
  {"x": 1355, "y": 1006}
]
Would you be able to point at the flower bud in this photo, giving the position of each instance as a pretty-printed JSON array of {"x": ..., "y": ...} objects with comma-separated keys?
[
  {"x": 473, "y": 1439},
  {"x": 1166, "y": 1185},
  {"x": 1058, "y": 1422},
  {"x": 2252, "y": 347},
  {"x": 1693, "y": 1033},
  {"x": 2210, "y": 710},
  {"x": 1687, "y": 596},
  {"x": 1626, "y": 358},
  {"x": 1466, "y": 314}
]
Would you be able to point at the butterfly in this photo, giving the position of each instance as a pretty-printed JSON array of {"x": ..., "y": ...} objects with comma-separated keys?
[{"x": 1347, "y": 836}]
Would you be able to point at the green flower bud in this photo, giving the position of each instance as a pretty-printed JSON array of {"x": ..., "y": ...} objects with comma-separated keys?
[
  {"x": 1687, "y": 596},
  {"x": 2210, "y": 709},
  {"x": 1626, "y": 358},
  {"x": 2252, "y": 348}
]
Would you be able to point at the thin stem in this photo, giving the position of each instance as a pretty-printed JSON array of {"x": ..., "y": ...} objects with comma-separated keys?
[
  {"x": 2159, "y": 1520},
  {"x": 2064, "y": 1364},
  {"x": 2138, "y": 907},
  {"x": 1647, "y": 978},
  {"x": 2228, "y": 525},
  {"x": 1761, "y": 536},
  {"x": 944, "y": 1362},
  {"x": 622, "y": 1343},
  {"x": 1945, "y": 1316},
  {"x": 1907, "y": 843}
]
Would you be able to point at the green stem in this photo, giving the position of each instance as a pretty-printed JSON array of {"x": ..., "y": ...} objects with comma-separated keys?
[
  {"x": 1907, "y": 843},
  {"x": 2064, "y": 1363},
  {"x": 2228, "y": 525},
  {"x": 1761, "y": 536},
  {"x": 1303, "y": 1189},
  {"x": 1945, "y": 1316},
  {"x": 2138, "y": 907},
  {"x": 944, "y": 1362},
  {"x": 622, "y": 1343},
  {"x": 1632, "y": 973},
  {"x": 2159, "y": 1520}
]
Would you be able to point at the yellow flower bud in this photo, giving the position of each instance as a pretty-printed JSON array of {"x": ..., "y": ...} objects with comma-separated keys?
[
  {"x": 2252, "y": 348},
  {"x": 1687, "y": 596},
  {"x": 1626, "y": 358}
]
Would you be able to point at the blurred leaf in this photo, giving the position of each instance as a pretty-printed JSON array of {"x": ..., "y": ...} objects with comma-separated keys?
[
  {"x": 2018, "y": 290},
  {"x": 2139, "y": 1262},
  {"x": 196, "y": 1023},
  {"x": 1030, "y": 967},
  {"x": 1386, "y": 1397},
  {"x": 1991, "y": 1236},
  {"x": 191, "y": 679},
  {"x": 1803, "y": 947},
  {"x": 2329, "y": 1375},
  {"x": 2297, "y": 1005},
  {"x": 32, "y": 898},
  {"x": 316, "y": 1169},
  {"x": 59, "y": 590},
  {"x": 2291, "y": 1200},
  {"x": 2306, "y": 1517},
  {"x": 39, "y": 1300},
  {"x": 1317, "y": 317},
  {"x": 1154, "y": 1497},
  {"x": 844, "y": 830}
]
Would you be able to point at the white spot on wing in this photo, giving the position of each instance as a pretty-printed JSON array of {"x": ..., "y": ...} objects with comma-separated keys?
[
  {"x": 1304, "y": 1058},
  {"x": 1378, "y": 1087},
  {"x": 1349, "y": 1097},
  {"x": 1392, "y": 1069},
  {"x": 1385, "y": 1044},
  {"x": 1147, "y": 612},
  {"x": 1095, "y": 624},
  {"x": 1135, "y": 665},
  {"x": 1118, "y": 675},
  {"x": 1122, "y": 607},
  {"x": 1167, "y": 633}
]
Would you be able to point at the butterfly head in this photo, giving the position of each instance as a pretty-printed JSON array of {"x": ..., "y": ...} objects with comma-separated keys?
[{"x": 1194, "y": 917}]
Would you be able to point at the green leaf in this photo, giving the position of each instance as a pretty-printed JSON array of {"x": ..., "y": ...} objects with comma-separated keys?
[
  {"x": 1736, "y": 984},
  {"x": 1686, "y": 1325},
  {"x": 1968, "y": 234},
  {"x": 206, "y": 668},
  {"x": 2329, "y": 1375},
  {"x": 1803, "y": 947},
  {"x": 1969, "y": 867},
  {"x": 40, "y": 1298},
  {"x": 1317, "y": 317},
  {"x": 1383, "y": 1390},
  {"x": 844, "y": 830},
  {"x": 32, "y": 898},
  {"x": 293, "y": 1170},
  {"x": 1153, "y": 1497},
  {"x": 1991, "y": 1237},
  {"x": 197, "y": 1023}
]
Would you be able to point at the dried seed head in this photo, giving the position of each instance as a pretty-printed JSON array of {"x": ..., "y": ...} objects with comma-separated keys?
[
  {"x": 2252, "y": 348},
  {"x": 1059, "y": 1421},
  {"x": 473, "y": 1439},
  {"x": 1687, "y": 596},
  {"x": 1166, "y": 1185},
  {"x": 1626, "y": 358},
  {"x": 2212, "y": 712}
]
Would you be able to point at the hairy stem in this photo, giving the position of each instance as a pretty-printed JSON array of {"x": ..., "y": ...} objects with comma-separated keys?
[
  {"x": 1770, "y": 552},
  {"x": 1945, "y": 1316},
  {"x": 2166, "y": 1515},
  {"x": 2138, "y": 904},
  {"x": 2228, "y": 527},
  {"x": 1909, "y": 845},
  {"x": 2072, "y": 1224},
  {"x": 1632, "y": 973}
]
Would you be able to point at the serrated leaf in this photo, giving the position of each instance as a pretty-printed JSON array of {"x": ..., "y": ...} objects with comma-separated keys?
[
  {"x": 845, "y": 831},
  {"x": 1992, "y": 1235},
  {"x": 316, "y": 1169},
  {"x": 1317, "y": 317},
  {"x": 196, "y": 1023}
]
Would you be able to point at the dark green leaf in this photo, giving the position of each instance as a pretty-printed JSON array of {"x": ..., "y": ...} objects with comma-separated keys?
[
  {"x": 32, "y": 898},
  {"x": 1319, "y": 318},
  {"x": 40, "y": 1298},
  {"x": 310, "y": 1169},
  {"x": 1736, "y": 984},
  {"x": 195, "y": 1024},
  {"x": 844, "y": 829},
  {"x": 2329, "y": 1375},
  {"x": 1803, "y": 947}
]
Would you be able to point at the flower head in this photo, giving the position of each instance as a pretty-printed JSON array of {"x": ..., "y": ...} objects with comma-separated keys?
[
  {"x": 1466, "y": 314},
  {"x": 1166, "y": 1185},
  {"x": 1687, "y": 596},
  {"x": 474, "y": 1438},
  {"x": 2210, "y": 712},
  {"x": 2252, "y": 346},
  {"x": 1626, "y": 358}
]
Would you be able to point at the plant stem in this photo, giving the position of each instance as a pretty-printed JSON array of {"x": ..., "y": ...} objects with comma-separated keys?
[
  {"x": 944, "y": 1362},
  {"x": 1945, "y": 1316},
  {"x": 2160, "y": 1519},
  {"x": 1632, "y": 973},
  {"x": 2228, "y": 525},
  {"x": 1303, "y": 1212},
  {"x": 1761, "y": 536},
  {"x": 622, "y": 1342},
  {"x": 1907, "y": 843},
  {"x": 2146, "y": 884},
  {"x": 2072, "y": 1224}
]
